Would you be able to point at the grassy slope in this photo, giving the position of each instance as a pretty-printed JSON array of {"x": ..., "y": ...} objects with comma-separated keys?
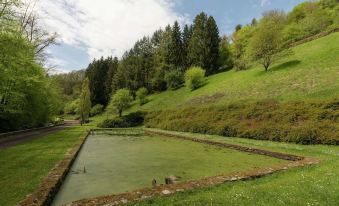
[
  {"x": 312, "y": 185},
  {"x": 311, "y": 72},
  {"x": 22, "y": 167}
]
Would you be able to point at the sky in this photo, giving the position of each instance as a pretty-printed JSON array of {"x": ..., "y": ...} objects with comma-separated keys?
[{"x": 90, "y": 29}]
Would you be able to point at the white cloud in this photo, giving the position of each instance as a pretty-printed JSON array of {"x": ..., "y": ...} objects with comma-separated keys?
[
  {"x": 105, "y": 27},
  {"x": 265, "y": 2},
  {"x": 54, "y": 65}
]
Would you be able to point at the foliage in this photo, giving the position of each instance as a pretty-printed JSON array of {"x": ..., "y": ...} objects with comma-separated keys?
[
  {"x": 285, "y": 81},
  {"x": 203, "y": 47},
  {"x": 71, "y": 83},
  {"x": 131, "y": 120},
  {"x": 96, "y": 109},
  {"x": 85, "y": 101},
  {"x": 120, "y": 101},
  {"x": 303, "y": 122},
  {"x": 141, "y": 95},
  {"x": 239, "y": 47},
  {"x": 225, "y": 60},
  {"x": 174, "y": 79},
  {"x": 194, "y": 78},
  {"x": 28, "y": 98},
  {"x": 100, "y": 74},
  {"x": 266, "y": 45},
  {"x": 72, "y": 107}
]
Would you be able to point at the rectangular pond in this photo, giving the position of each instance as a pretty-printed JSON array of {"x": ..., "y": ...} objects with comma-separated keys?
[{"x": 113, "y": 163}]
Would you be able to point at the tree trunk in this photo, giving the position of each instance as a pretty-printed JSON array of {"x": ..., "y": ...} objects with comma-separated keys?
[{"x": 120, "y": 113}]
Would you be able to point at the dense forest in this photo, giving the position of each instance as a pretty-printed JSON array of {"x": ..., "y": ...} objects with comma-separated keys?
[{"x": 28, "y": 96}]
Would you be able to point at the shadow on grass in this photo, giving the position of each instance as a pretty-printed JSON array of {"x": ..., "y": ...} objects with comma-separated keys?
[{"x": 286, "y": 65}]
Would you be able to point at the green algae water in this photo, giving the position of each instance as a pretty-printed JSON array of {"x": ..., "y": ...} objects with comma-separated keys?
[{"x": 112, "y": 163}]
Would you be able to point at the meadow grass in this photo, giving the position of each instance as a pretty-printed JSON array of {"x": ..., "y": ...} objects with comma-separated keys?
[
  {"x": 311, "y": 72},
  {"x": 310, "y": 185},
  {"x": 22, "y": 167}
]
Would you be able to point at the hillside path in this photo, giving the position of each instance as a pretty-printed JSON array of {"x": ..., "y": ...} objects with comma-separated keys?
[{"x": 19, "y": 138}]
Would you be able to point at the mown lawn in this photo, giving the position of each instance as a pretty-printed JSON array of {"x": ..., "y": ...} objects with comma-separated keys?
[
  {"x": 310, "y": 73},
  {"x": 312, "y": 185},
  {"x": 22, "y": 167}
]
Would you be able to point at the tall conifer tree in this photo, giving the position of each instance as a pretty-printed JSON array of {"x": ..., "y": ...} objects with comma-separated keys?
[{"x": 176, "y": 47}]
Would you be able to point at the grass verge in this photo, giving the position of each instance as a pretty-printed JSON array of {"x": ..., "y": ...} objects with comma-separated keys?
[{"x": 22, "y": 167}]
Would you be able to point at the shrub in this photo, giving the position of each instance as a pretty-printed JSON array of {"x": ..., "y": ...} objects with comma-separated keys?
[
  {"x": 174, "y": 79},
  {"x": 97, "y": 109},
  {"x": 141, "y": 95},
  {"x": 194, "y": 77},
  {"x": 120, "y": 101},
  {"x": 72, "y": 107},
  {"x": 131, "y": 120},
  {"x": 113, "y": 123}
]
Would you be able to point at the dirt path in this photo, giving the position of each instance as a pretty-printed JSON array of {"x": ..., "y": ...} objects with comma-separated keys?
[{"x": 30, "y": 135}]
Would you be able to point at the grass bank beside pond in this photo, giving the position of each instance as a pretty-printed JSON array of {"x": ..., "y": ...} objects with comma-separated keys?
[{"x": 23, "y": 166}]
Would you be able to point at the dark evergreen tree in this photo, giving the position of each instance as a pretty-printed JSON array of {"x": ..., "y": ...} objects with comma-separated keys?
[
  {"x": 186, "y": 36},
  {"x": 238, "y": 27},
  {"x": 213, "y": 41},
  {"x": 197, "y": 45},
  {"x": 203, "y": 47},
  {"x": 176, "y": 47},
  {"x": 112, "y": 70},
  {"x": 98, "y": 73},
  {"x": 254, "y": 22}
]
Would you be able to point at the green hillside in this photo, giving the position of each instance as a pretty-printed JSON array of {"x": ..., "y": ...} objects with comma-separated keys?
[{"x": 311, "y": 72}]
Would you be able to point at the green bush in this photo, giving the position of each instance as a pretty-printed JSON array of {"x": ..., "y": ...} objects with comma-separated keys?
[
  {"x": 304, "y": 122},
  {"x": 97, "y": 109},
  {"x": 72, "y": 107},
  {"x": 174, "y": 79},
  {"x": 131, "y": 120},
  {"x": 141, "y": 95},
  {"x": 120, "y": 101},
  {"x": 195, "y": 77}
]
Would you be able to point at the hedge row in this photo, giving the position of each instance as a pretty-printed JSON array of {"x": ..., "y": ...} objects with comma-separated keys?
[
  {"x": 131, "y": 120},
  {"x": 299, "y": 122}
]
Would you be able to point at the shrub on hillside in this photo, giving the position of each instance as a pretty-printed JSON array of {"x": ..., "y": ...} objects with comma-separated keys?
[
  {"x": 298, "y": 122},
  {"x": 131, "y": 120},
  {"x": 174, "y": 79},
  {"x": 195, "y": 77},
  {"x": 97, "y": 109},
  {"x": 141, "y": 95},
  {"x": 120, "y": 101}
]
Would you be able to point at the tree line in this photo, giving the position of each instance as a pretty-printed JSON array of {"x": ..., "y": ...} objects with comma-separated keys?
[
  {"x": 28, "y": 96},
  {"x": 157, "y": 62}
]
